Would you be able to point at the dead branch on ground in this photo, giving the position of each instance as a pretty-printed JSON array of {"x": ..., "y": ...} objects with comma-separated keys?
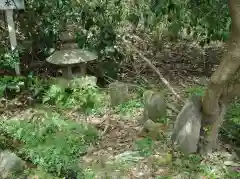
[{"x": 154, "y": 68}]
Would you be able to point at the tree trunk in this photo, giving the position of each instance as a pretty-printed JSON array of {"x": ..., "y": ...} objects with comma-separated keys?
[{"x": 213, "y": 105}]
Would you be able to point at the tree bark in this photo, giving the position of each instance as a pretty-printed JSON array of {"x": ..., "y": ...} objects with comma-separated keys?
[{"x": 213, "y": 107}]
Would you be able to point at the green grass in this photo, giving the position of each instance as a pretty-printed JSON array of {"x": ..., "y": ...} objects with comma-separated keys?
[
  {"x": 191, "y": 166},
  {"x": 145, "y": 146},
  {"x": 192, "y": 163},
  {"x": 129, "y": 106},
  {"x": 231, "y": 126},
  {"x": 53, "y": 143},
  {"x": 197, "y": 90}
]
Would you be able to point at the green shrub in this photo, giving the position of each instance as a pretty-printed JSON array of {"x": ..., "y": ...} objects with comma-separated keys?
[
  {"x": 103, "y": 23},
  {"x": 231, "y": 126},
  {"x": 12, "y": 83},
  {"x": 8, "y": 60},
  {"x": 101, "y": 20},
  {"x": 10, "y": 86},
  {"x": 85, "y": 99}
]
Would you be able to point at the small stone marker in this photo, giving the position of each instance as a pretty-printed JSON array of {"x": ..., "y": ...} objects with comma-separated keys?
[
  {"x": 155, "y": 107},
  {"x": 186, "y": 132},
  {"x": 9, "y": 164},
  {"x": 118, "y": 93},
  {"x": 71, "y": 58}
]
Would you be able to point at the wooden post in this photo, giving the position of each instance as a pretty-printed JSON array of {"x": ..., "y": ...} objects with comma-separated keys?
[{"x": 12, "y": 36}]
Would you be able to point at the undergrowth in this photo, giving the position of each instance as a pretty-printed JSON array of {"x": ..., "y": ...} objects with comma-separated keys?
[
  {"x": 231, "y": 126},
  {"x": 145, "y": 146},
  {"x": 129, "y": 106},
  {"x": 49, "y": 140},
  {"x": 39, "y": 173},
  {"x": 52, "y": 142},
  {"x": 82, "y": 98},
  {"x": 56, "y": 143},
  {"x": 85, "y": 98}
]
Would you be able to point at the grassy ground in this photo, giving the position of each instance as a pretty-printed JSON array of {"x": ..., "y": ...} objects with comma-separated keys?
[{"x": 76, "y": 133}]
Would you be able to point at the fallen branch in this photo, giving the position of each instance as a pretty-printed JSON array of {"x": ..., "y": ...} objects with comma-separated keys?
[
  {"x": 154, "y": 68},
  {"x": 173, "y": 108}
]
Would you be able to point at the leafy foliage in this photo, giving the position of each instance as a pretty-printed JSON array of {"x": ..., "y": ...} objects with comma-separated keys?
[
  {"x": 102, "y": 19},
  {"x": 101, "y": 24},
  {"x": 145, "y": 146},
  {"x": 129, "y": 106},
  {"x": 9, "y": 59},
  {"x": 86, "y": 98},
  {"x": 230, "y": 128},
  {"x": 52, "y": 142},
  {"x": 10, "y": 86},
  {"x": 10, "y": 83},
  {"x": 198, "y": 90}
]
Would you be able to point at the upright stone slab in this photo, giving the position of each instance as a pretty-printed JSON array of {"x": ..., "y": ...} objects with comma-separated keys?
[
  {"x": 9, "y": 163},
  {"x": 186, "y": 132},
  {"x": 118, "y": 93},
  {"x": 155, "y": 107}
]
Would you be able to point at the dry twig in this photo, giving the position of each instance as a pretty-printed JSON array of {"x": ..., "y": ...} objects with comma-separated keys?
[{"x": 154, "y": 68}]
